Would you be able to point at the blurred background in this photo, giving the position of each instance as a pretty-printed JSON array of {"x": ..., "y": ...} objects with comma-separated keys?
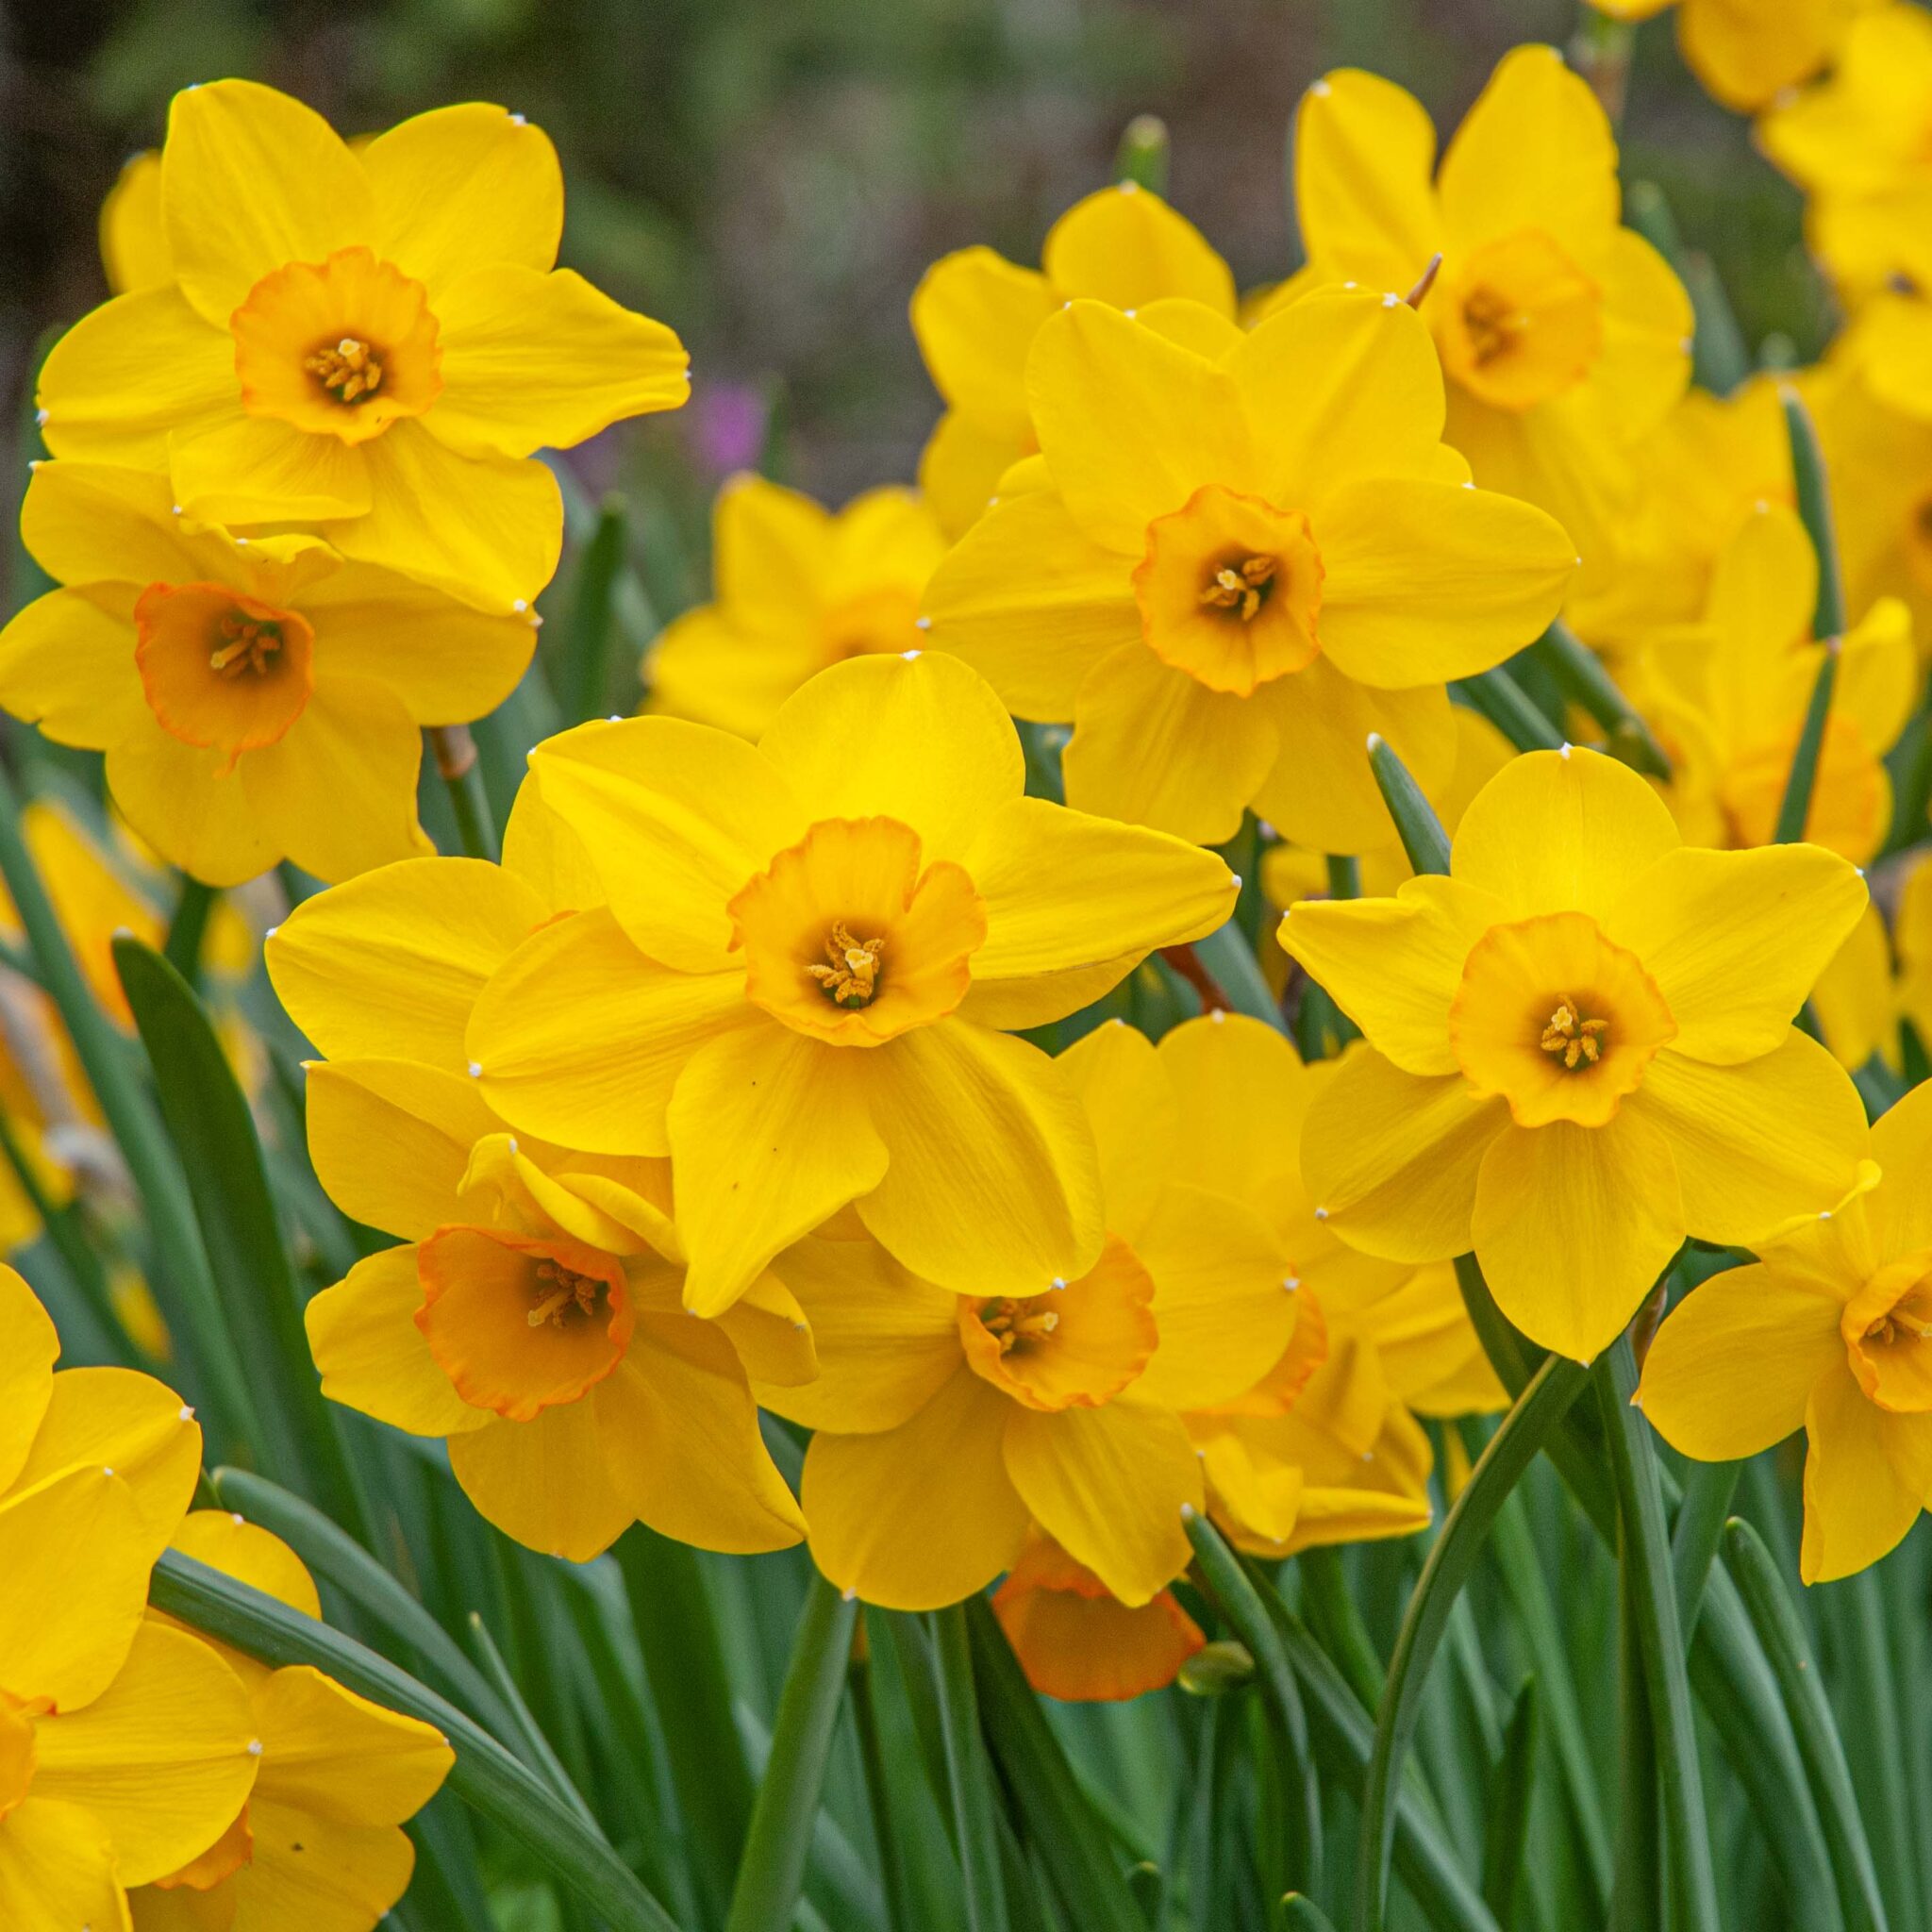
[{"x": 772, "y": 177}]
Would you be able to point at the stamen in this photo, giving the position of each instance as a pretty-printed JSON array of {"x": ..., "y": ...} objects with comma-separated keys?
[
  {"x": 349, "y": 372},
  {"x": 1576, "y": 1041},
  {"x": 566, "y": 1288},
  {"x": 852, "y": 977},
  {"x": 251, "y": 642},
  {"x": 1010, "y": 1323},
  {"x": 1242, "y": 587},
  {"x": 1493, "y": 325}
]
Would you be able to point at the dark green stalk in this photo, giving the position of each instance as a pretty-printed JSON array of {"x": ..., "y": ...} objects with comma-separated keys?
[
  {"x": 188, "y": 929},
  {"x": 1142, "y": 155},
  {"x": 1416, "y": 823},
  {"x": 1700, "y": 1522},
  {"x": 968, "y": 1776},
  {"x": 1794, "y": 808},
  {"x": 1330, "y": 1606},
  {"x": 455, "y": 752},
  {"x": 1813, "y": 491},
  {"x": 1506, "y": 706},
  {"x": 1506, "y": 1839},
  {"x": 583, "y": 682},
  {"x": 1580, "y": 673}
]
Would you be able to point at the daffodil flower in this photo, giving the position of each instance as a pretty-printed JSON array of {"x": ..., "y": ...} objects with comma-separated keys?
[
  {"x": 1235, "y": 557},
  {"x": 372, "y": 342},
  {"x": 1749, "y": 52},
  {"x": 257, "y": 698},
  {"x": 1054, "y": 1401},
  {"x": 1831, "y": 1330},
  {"x": 798, "y": 588},
  {"x": 1583, "y": 1048},
  {"x": 1565, "y": 336},
  {"x": 975, "y": 315},
  {"x": 320, "y": 1833}
]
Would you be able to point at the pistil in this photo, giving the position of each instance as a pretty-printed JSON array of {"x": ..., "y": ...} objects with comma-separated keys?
[
  {"x": 349, "y": 371},
  {"x": 851, "y": 977},
  {"x": 1241, "y": 586}
]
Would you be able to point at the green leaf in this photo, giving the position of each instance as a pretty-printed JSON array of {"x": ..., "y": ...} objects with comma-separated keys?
[
  {"x": 1332, "y": 1612},
  {"x": 485, "y": 1775},
  {"x": 1302, "y": 1914},
  {"x": 1700, "y": 1522},
  {"x": 1416, "y": 823},
  {"x": 1506, "y": 1837},
  {"x": 1794, "y": 808},
  {"x": 455, "y": 752},
  {"x": 1813, "y": 491},
  {"x": 188, "y": 929},
  {"x": 213, "y": 1133},
  {"x": 1452, "y": 1557},
  {"x": 1231, "y": 965},
  {"x": 1507, "y": 706},
  {"x": 1581, "y": 674},
  {"x": 583, "y": 680},
  {"x": 967, "y": 1774},
  {"x": 1645, "y": 1558},
  {"x": 1775, "y": 1622},
  {"x": 534, "y": 1748}
]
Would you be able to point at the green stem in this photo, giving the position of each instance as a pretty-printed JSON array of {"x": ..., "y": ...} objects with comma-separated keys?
[
  {"x": 1332, "y": 1612},
  {"x": 771, "y": 1871},
  {"x": 455, "y": 752},
  {"x": 1694, "y": 1535},
  {"x": 1506, "y": 1836},
  {"x": 188, "y": 929},
  {"x": 967, "y": 1774},
  {"x": 878, "y": 1793},
  {"x": 1637, "y": 1898},
  {"x": 1507, "y": 706},
  {"x": 1144, "y": 153},
  {"x": 534, "y": 1748},
  {"x": 485, "y": 1775},
  {"x": 1646, "y": 1564},
  {"x": 1231, "y": 965},
  {"x": 1580, "y": 673},
  {"x": 1452, "y": 1557},
  {"x": 588, "y": 626},
  {"x": 1814, "y": 510},
  {"x": 1416, "y": 823},
  {"x": 1794, "y": 808},
  {"x": 1344, "y": 877}
]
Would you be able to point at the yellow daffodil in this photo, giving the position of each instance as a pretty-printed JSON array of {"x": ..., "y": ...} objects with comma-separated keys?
[
  {"x": 1828, "y": 1329},
  {"x": 1859, "y": 143},
  {"x": 1583, "y": 1048},
  {"x": 975, "y": 315},
  {"x": 797, "y": 987},
  {"x": 1077, "y": 1641},
  {"x": 319, "y": 1843},
  {"x": 1056, "y": 1402},
  {"x": 257, "y": 698},
  {"x": 533, "y": 1318},
  {"x": 1730, "y": 700},
  {"x": 1238, "y": 556},
  {"x": 125, "y": 1747},
  {"x": 1748, "y": 52},
  {"x": 1565, "y": 336},
  {"x": 372, "y": 342},
  {"x": 798, "y": 588}
]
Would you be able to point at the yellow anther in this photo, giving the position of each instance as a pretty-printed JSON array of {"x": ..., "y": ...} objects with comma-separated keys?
[
  {"x": 853, "y": 975},
  {"x": 1494, "y": 325},
  {"x": 566, "y": 1288},
  {"x": 1011, "y": 1322},
  {"x": 1239, "y": 587},
  {"x": 1576, "y": 1041},
  {"x": 349, "y": 372},
  {"x": 250, "y": 645}
]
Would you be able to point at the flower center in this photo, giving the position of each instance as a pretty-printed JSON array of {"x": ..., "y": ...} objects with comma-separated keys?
[
  {"x": 1013, "y": 1323},
  {"x": 851, "y": 977},
  {"x": 1574, "y": 1039},
  {"x": 221, "y": 668},
  {"x": 562, "y": 1292},
  {"x": 1888, "y": 1334},
  {"x": 349, "y": 372},
  {"x": 343, "y": 347},
  {"x": 1520, "y": 323},
  {"x": 1230, "y": 589},
  {"x": 818, "y": 924},
  {"x": 1557, "y": 1018}
]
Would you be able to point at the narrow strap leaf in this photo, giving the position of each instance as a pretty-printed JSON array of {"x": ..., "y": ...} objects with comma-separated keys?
[
  {"x": 455, "y": 753},
  {"x": 1700, "y": 1522},
  {"x": 1509, "y": 707},
  {"x": 485, "y": 1776},
  {"x": 1452, "y": 1557},
  {"x": 1813, "y": 491},
  {"x": 967, "y": 1774},
  {"x": 1794, "y": 808},
  {"x": 1580, "y": 673},
  {"x": 536, "y": 1749},
  {"x": 1142, "y": 158},
  {"x": 1231, "y": 965},
  {"x": 1506, "y": 1836},
  {"x": 583, "y": 670},
  {"x": 1416, "y": 823}
]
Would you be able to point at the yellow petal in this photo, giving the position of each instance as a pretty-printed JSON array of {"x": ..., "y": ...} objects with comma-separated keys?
[
  {"x": 1130, "y": 423},
  {"x": 962, "y": 462},
  {"x": 681, "y": 1434},
  {"x": 29, "y": 1347},
  {"x": 550, "y": 859},
  {"x": 1364, "y": 150},
  {"x": 1535, "y": 151},
  {"x": 677, "y": 818},
  {"x": 1032, "y": 604},
  {"x": 974, "y": 314},
  {"x": 1221, "y": 1299},
  {"x": 1735, "y": 941},
  {"x": 771, "y": 1133},
  {"x": 251, "y": 179},
  {"x": 334, "y": 1755},
  {"x": 96, "y": 523},
  {"x": 1391, "y": 1158},
  {"x": 125, "y": 376},
  {"x": 1645, "y": 365},
  {"x": 1902, "y": 1145},
  {"x": 1239, "y": 1094},
  {"x": 234, "y": 469},
  {"x": 363, "y": 1335},
  {"x": 338, "y": 793},
  {"x": 1563, "y": 831},
  {"x": 77, "y": 1541},
  {"x": 887, "y": 1342},
  {"x": 1126, "y": 246},
  {"x": 580, "y": 1037},
  {"x": 1260, "y": 1490},
  {"x": 196, "y": 815},
  {"x": 1319, "y": 791},
  {"x": 1110, "y": 1485},
  {"x": 391, "y": 1139},
  {"x": 160, "y": 1758},
  {"x": 1858, "y": 1503},
  {"x": 871, "y": 1501},
  {"x": 65, "y": 661},
  {"x": 463, "y": 188},
  {"x": 925, "y": 741},
  {"x": 991, "y": 1185},
  {"x": 391, "y": 963},
  {"x": 1128, "y": 1098},
  {"x": 1155, "y": 748},
  {"x": 1428, "y": 581},
  {"x": 57, "y": 1869},
  {"x": 546, "y": 1482},
  {"x": 1394, "y": 965},
  {"x": 1747, "y": 59},
  {"x": 1729, "y": 1372},
  {"x": 537, "y": 361},
  {"x": 306, "y": 1871},
  {"x": 250, "y": 1554},
  {"x": 1065, "y": 893},
  {"x": 501, "y": 551},
  {"x": 1573, "y": 1224},
  {"x": 1760, "y": 1144}
]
